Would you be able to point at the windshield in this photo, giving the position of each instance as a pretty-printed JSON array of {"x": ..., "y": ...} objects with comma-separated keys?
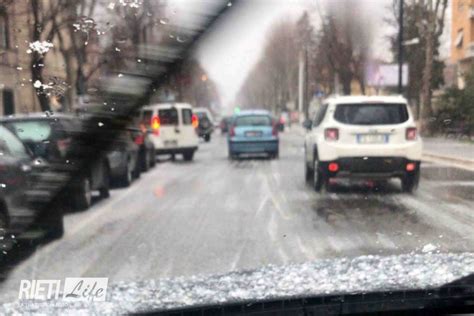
[
  {"x": 371, "y": 114},
  {"x": 157, "y": 155}
]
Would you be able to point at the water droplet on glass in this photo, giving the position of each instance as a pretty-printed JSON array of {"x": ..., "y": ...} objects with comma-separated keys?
[
  {"x": 3, "y": 185},
  {"x": 164, "y": 21},
  {"x": 100, "y": 124},
  {"x": 120, "y": 75},
  {"x": 229, "y": 4}
]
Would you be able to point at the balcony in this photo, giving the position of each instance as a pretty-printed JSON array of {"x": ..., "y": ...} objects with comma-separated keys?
[{"x": 469, "y": 52}]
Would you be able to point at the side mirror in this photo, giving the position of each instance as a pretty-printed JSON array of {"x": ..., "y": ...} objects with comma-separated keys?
[{"x": 308, "y": 124}]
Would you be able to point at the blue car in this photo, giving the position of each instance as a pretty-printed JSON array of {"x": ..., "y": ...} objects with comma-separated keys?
[{"x": 253, "y": 132}]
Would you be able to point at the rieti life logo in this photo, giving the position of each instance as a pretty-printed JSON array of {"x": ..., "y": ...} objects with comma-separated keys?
[{"x": 74, "y": 289}]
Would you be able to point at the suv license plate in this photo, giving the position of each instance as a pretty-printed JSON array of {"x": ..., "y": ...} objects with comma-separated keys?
[
  {"x": 372, "y": 138},
  {"x": 171, "y": 143}
]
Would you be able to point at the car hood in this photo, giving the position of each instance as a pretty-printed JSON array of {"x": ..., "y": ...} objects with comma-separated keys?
[{"x": 365, "y": 274}]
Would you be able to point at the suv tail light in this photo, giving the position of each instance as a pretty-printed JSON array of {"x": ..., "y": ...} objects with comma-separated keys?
[
  {"x": 232, "y": 131},
  {"x": 411, "y": 133},
  {"x": 155, "y": 125},
  {"x": 195, "y": 121},
  {"x": 331, "y": 134}
]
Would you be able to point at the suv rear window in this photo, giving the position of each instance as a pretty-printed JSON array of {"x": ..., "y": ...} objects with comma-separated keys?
[
  {"x": 253, "y": 120},
  {"x": 371, "y": 114},
  {"x": 168, "y": 117}
]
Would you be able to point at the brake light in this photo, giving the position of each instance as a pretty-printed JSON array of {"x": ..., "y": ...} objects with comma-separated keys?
[
  {"x": 232, "y": 131},
  {"x": 331, "y": 134},
  {"x": 333, "y": 167},
  {"x": 195, "y": 121},
  {"x": 411, "y": 133},
  {"x": 411, "y": 166},
  {"x": 155, "y": 125}
]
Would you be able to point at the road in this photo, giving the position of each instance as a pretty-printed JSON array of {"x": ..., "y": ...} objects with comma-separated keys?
[{"x": 213, "y": 215}]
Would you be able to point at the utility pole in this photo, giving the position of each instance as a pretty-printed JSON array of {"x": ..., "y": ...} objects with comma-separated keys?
[
  {"x": 301, "y": 67},
  {"x": 425, "y": 106},
  {"x": 400, "y": 47}
]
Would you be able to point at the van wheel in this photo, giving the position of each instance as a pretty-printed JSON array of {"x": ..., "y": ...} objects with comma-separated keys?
[
  {"x": 83, "y": 194},
  {"x": 410, "y": 182},
  {"x": 54, "y": 223},
  {"x": 188, "y": 156}
]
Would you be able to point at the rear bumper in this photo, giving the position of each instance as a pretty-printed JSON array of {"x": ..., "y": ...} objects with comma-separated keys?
[
  {"x": 264, "y": 146},
  {"x": 370, "y": 167},
  {"x": 329, "y": 151},
  {"x": 171, "y": 151}
]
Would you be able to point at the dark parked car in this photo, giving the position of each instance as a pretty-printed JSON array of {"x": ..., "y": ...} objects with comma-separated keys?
[
  {"x": 206, "y": 125},
  {"x": 62, "y": 142},
  {"x": 123, "y": 157},
  {"x": 19, "y": 210},
  {"x": 225, "y": 123}
]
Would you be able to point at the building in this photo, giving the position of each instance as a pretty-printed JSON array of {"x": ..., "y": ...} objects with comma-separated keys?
[{"x": 462, "y": 37}]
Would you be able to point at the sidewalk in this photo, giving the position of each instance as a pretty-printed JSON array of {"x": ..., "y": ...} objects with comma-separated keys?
[{"x": 449, "y": 150}]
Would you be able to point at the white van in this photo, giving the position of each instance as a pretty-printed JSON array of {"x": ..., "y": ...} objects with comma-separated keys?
[{"x": 173, "y": 127}]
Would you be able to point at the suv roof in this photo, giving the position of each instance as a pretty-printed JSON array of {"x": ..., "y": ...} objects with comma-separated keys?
[{"x": 366, "y": 99}]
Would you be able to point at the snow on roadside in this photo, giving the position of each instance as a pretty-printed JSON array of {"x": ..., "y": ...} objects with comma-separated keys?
[{"x": 329, "y": 276}]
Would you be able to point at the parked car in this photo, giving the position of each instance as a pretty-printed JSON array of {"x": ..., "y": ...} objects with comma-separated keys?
[
  {"x": 206, "y": 123},
  {"x": 19, "y": 210},
  {"x": 173, "y": 128},
  {"x": 363, "y": 137},
  {"x": 253, "y": 132},
  {"x": 61, "y": 141}
]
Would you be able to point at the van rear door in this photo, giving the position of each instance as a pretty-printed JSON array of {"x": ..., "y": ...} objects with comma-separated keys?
[{"x": 169, "y": 127}]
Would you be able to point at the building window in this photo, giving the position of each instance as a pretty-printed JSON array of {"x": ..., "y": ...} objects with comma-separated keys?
[
  {"x": 459, "y": 39},
  {"x": 3, "y": 29}
]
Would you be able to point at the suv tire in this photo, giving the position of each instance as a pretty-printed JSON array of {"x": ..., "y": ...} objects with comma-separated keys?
[
  {"x": 319, "y": 179},
  {"x": 410, "y": 182}
]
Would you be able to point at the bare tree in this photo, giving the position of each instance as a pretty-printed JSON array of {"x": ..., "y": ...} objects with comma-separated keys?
[{"x": 431, "y": 29}]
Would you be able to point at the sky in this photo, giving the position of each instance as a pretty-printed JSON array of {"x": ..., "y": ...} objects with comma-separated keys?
[{"x": 229, "y": 53}]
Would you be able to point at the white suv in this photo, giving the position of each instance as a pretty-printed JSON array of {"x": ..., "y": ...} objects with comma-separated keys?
[
  {"x": 173, "y": 128},
  {"x": 367, "y": 137}
]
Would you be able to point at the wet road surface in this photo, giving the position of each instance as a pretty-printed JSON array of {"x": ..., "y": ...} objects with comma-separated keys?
[{"x": 214, "y": 215}]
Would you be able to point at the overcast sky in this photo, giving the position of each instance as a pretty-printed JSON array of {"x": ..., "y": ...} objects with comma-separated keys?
[{"x": 230, "y": 52}]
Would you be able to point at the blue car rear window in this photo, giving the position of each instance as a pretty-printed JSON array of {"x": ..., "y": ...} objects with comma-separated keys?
[{"x": 253, "y": 120}]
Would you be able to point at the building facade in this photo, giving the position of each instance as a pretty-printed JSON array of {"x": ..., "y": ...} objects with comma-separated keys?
[{"x": 462, "y": 37}]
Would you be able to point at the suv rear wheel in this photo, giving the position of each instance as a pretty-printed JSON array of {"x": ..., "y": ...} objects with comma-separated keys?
[
  {"x": 126, "y": 178},
  {"x": 410, "y": 182},
  {"x": 319, "y": 179}
]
